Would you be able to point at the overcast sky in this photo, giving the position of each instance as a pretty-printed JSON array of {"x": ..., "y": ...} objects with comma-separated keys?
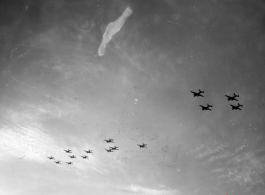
[{"x": 57, "y": 93}]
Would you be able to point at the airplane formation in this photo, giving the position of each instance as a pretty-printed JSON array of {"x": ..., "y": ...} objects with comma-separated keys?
[
  {"x": 229, "y": 98},
  {"x": 111, "y": 149}
]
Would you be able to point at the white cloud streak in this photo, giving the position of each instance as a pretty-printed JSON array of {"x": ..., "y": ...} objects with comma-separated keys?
[
  {"x": 150, "y": 191},
  {"x": 21, "y": 135},
  {"x": 112, "y": 29}
]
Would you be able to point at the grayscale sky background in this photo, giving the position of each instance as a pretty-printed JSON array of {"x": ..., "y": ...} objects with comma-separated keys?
[{"x": 56, "y": 93}]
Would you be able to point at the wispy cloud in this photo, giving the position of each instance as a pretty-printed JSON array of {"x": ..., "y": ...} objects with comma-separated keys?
[
  {"x": 135, "y": 189},
  {"x": 245, "y": 168},
  {"x": 224, "y": 155},
  {"x": 212, "y": 149},
  {"x": 22, "y": 135}
]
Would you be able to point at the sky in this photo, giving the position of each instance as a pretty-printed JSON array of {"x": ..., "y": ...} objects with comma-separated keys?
[{"x": 58, "y": 93}]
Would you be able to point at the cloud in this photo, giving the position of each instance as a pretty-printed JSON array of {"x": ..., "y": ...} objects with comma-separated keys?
[
  {"x": 112, "y": 29},
  {"x": 21, "y": 135},
  {"x": 221, "y": 156},
  {"x": 149, "y": 191},
  {"x": 244, "y": 169},
  {"x": 211, "y": 150}
]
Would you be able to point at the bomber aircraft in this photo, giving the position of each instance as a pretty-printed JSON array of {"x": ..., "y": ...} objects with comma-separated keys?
[
  {"x": 88, "y": 151},
  {"x": 109, "y": 140},
  {"x": 68, "y": 151},
  {"x": 69, "y": 163},
  {"x": 57, "y": 162},
  {"x": 206, "y": 107},
  {"x": 197, "y": 94},
  {"x": 109, "y": 150},
  {"x": 73, "y": 156},
  {"x": 142, "y": 146},
  {"x": 114, "y": 148},
  {"x": 236, "y": 107},
  {"x": 51, "y": 157},
  {"x": 84, "y": 157},
  {"x": 232, "y": 98}
]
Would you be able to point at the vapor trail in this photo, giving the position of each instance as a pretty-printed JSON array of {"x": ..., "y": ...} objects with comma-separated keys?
[{"x": 112, "y": 29}]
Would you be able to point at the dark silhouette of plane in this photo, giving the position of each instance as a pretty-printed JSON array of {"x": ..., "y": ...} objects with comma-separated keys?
[
  {"x": 109, "y": 140},
  {"x": 88, "y": 151},
  {"x": 68, "y": 151},
  {"x": 84, "y": 157},
  {"x": 206, "y": 107},
  {"x": 73, "y": 156},
  {"x": 236, "y": 107},
  {"x": 114, "y": 148},
  {"x": 69, "y": 163},
  {"x": 57, "y": 162},
  {"x": 142, "y": 146},
  {"x": 197, "y": 94},
  {"x": 22, "y": 157},
  {"x": 232, "y": 98},
  {"x": 109, "y": 150},
  {"x": 51, "y": 157}
]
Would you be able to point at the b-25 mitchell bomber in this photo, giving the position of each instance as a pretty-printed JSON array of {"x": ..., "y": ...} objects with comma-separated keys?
[
  {"x": 68, "y": 151},
  {"x": 57, "y": 162},
  {"x": 108, "y": 150},
  {"x": 84, "y": 157},
  {"x": 69, "y": 163},
  {"x": 232, "y": 98},
  {"x": 197, "y": 94},
  {"x": 73, "y": 156},
  {"x": 236, "y": 107},
  {"x": 142, "y": 146},
  {"x": 109, "y": 140},
  {"x": 114, "y": 148},
  {"x": 51, "y": 157},
  {"x": 206, "y": 107},
  {"x": 88, "y": 151}
]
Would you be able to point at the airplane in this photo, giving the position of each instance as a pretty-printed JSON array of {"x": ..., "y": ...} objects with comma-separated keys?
[
  {"x": 197, "y": 94},
  {"x": 109, "y": 140},
  {"x": 232, "y": 98},
  {"x": 69, "y": 163},
  {"x": 142, "y": 146},
  {"x": 206, "y": 107},
  {"x": 109, "y": 150},
  {"x": 84, "y": 157},
  {"x": 88, "y": 151},
  {"x": 236, "y": 107},
  {"x": 51, "y": 157},
  {"x": 73, "y": 156},
  {"x": 57, "y": 162},
  {"x": 114, "y": 148},
  {"x": 68, "y": 151}
]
